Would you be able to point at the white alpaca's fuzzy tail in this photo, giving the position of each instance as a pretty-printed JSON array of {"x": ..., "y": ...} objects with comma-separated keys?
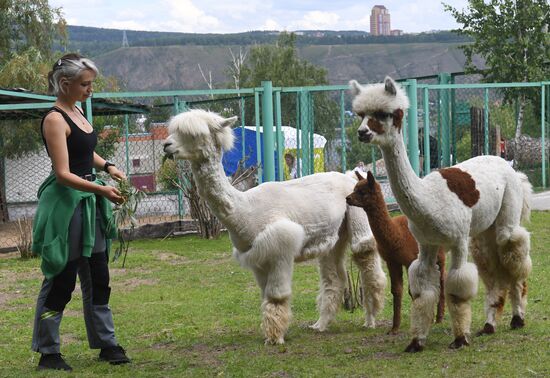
[{"x": 527, "y": 197}]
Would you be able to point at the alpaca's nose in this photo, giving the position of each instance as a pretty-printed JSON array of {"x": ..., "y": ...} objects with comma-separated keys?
[
  {"x": 364, "y": 135},
  {"x": 166, "y": 145}
]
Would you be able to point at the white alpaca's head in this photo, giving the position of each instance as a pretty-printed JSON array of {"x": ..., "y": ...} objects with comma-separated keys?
[
  {"x": 198, "y": 134},
  {"x": 381, "y": 107}
]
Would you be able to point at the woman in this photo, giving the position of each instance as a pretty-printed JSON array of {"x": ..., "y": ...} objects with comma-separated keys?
[{"x": 71, "y": 230}]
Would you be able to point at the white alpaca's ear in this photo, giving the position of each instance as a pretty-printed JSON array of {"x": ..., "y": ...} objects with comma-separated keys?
[
  {"x": 389, "y": 86},
  {"x": 228, "y": 122},
  {"x": 354, "y": 87}
]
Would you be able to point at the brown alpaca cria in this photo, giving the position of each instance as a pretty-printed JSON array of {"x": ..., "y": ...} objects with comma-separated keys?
[{"x": 396, "y": 245}]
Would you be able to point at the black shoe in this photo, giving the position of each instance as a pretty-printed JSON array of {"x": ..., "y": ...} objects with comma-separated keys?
[
  {"x": 115, "y": 355},
  {"x": 53, "y": 361}
]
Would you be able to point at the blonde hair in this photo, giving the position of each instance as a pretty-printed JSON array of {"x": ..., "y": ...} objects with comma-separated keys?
[{"x": 69, "y": 66}]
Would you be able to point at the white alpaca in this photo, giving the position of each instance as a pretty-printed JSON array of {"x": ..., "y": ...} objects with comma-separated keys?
[
  {"x": 482, "y": 198},
  {"x": 276, "y": 224}
]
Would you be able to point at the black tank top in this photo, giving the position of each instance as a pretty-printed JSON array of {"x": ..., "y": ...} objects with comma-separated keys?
[{"x": 80, "y": 145}]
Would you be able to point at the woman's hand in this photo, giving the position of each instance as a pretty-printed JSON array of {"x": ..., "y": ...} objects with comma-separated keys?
[
  {"x": 112, "y": 194},
  {"x": 116, "y": 174}
]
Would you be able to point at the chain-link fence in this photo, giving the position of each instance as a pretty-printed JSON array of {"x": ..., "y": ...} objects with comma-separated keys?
[{"x": 313, "y": 125}]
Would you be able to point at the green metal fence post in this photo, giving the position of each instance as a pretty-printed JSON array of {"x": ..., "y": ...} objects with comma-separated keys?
[
  {"x": 445, "y": 78},
  {"x": 89, "y": 115},
  {"x": 279, "y": 136},
  {"x": 412, "y": 127},
  {"x": 176, "y": 110},
  {"x": 453, "y": 122},
  {"x": 299, "y": 106},
  {"x": 486, "y": 122},
  {"x": 127, "y": 143},
  {"x": 267, "y": 121},
  {"x": 305, "y": 125},
  {"x": 343, "y": 129},
  {"x": 243, "y": 124},
  {"x": 427, "y": 157},
  {"x": 258, "y": 136},
  {"x": 311, "y": 134},
  {"x": 543, "y": 142}
]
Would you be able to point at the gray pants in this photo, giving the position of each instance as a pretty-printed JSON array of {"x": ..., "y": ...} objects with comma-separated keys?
[{"x": 55, "y": 293}]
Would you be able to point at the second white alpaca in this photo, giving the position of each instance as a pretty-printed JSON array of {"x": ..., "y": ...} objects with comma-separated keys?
[
  {"x": 276, "y": 224},
  {"x": 482, "y": 198}
]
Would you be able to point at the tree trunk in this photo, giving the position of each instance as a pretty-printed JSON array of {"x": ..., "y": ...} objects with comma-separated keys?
[
  {"x": 521, "y": 111},
  {"x": 477, "y": 131}
]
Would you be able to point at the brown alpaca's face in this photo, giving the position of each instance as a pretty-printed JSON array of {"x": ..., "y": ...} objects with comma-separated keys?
[{"x": 365, "y": 192}]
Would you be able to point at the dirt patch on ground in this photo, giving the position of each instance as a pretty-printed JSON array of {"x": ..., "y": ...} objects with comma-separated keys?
[
  {"x": 9, "y": 290},
  {"x": 204, "y": 355},
  {"x": 116, "y": 272},
  {"x": 172, "y": 258},
  {"x": 8, "y": 297},
  {"x": 134, "y": 282}
]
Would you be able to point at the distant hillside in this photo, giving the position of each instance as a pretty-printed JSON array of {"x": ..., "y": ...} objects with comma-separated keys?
[
  {"x": 176, "y": 67},
  {"x": 94, "y": 41}
]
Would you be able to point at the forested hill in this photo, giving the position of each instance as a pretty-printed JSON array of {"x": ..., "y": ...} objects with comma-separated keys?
[
  {"x": 94, "y": 41},
  {"x": 177, "y": 67},
  {"x": 160, "y": 61}
]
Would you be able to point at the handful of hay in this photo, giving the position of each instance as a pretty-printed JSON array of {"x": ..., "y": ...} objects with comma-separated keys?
[{"x": 124, "y": 215}]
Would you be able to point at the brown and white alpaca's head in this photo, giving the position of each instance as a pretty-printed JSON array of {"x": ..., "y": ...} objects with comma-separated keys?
[
  {"x": 381, "y": 107},
  {"x": 367, "y": 192},
  {"x": 197, "y": 134}
]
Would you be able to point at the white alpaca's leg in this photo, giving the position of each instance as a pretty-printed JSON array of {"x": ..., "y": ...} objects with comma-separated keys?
[
  {"x": 276, "y": 305},
  {"x": 333, "y": 281},
  {"x": 424, "y": 289},
  {"x": 514, "y": 257},
  {"x": 484, "y": 252},
  {"x": 271, "y": 258},
  {"x": 514, "y": 245},
  {"x": 373, "y": 280},
  {"x": 460, "y": 287},
  {"x": 261, "y": 279}
]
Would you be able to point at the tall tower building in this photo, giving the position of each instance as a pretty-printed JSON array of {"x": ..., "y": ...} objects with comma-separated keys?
[{"x": 380, "y": 21}]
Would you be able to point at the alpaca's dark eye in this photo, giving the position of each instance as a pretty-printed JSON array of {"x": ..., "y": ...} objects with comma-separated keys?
[
  {"x": 361, "y": 114},
  {"x": 381, "y": 115}
]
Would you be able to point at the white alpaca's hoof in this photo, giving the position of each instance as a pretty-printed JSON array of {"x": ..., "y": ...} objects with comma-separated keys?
[
  {"x": 369, "y": 324},
  {"x": 278, "y": 341},
  {"x": 319, "y": 326}
]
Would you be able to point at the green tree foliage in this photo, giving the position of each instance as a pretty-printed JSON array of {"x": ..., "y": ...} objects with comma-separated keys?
[
  {"x": 280, "y": 64},
  {"x": 29, "y": 23},
  {"x": 28, "y": 29},
  {"x": 512, "y": 36}
]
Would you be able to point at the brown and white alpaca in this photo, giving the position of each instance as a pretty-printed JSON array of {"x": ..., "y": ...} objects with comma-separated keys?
[
  {"x": 395, "y": 243},
  {"x": 482, "y": 198},
  {"x": 276, "y": 224}
]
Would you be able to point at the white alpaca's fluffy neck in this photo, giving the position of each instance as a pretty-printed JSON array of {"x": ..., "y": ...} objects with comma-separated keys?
[
  {"x": 215, "y": 188},
  {"x": 408, "y": 188}
]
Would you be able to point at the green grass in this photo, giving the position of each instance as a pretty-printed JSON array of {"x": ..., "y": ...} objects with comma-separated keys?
[{"x": 183, "y": 307}]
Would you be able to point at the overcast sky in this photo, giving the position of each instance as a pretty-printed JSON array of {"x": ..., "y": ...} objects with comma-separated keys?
[{"x": 232, "y": 16}]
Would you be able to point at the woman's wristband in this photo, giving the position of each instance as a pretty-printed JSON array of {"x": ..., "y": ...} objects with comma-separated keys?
[{"x": 107, "y": 165}]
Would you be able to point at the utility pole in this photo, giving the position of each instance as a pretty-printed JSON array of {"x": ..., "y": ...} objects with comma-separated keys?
[{"x": 124, "y": 39}]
